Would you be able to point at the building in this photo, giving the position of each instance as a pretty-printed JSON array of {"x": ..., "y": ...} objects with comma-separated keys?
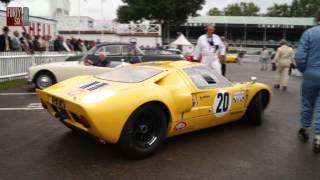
[
  {"x": 84, "y": 27},
  {"x": 247, "y": 31},
  {"x": 38, "y": 25}
]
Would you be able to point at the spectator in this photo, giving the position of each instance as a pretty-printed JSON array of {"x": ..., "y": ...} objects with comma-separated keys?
[
  {"x": 264, "y": 58},
  {"x": 58, "y": 44},
  {"x": 283, "y": 59},
  {"x": 36, "y": 44},
  {"x": 5, "y": 40},
  {"x": 69, "y": 44},
  {"x": 51, "y": 43},
  {"x": 24, "y": 42},
  {"x": 30, "y": 43},
  {"x": 15, "y": 42},
  {"x": 273, "y": 61},
  {"x": 44, "y": 43},
  {"x": 308, "y": 62}
]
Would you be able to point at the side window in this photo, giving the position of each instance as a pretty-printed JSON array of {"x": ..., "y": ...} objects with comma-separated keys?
[
  {"x": 204, "y": 78},
  {"x": 126, "y": 50},
  {"x": 101, "y": 49},
  {"x": 113, "y": 50}
]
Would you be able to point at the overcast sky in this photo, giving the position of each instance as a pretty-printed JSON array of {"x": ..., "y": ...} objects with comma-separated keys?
[{"x": 93, "y": 8}]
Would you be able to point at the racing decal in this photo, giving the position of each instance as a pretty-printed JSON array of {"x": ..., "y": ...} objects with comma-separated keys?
[
  {"x": 222, "y": 103},
  {"x": 239, "y": 97},
  {"x": 180, "y": 125}
]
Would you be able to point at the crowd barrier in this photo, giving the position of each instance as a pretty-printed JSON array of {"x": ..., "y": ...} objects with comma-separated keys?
[{"x": 15, "y": 65}]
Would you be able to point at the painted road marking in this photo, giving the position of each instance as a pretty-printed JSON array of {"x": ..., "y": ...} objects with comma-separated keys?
[
  {"x": 31, "y": 106},
  {"x": 16, "y": 94}
]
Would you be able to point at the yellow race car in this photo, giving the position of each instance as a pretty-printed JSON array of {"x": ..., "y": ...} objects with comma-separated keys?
[
  {"x": 231, "y": 58},
  {"x": 138, "y": 106}
]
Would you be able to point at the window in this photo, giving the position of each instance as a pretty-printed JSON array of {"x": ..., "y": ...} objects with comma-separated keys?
[
  {"x": 130, "y": 74},
  {"x": 205, "y": 78}
]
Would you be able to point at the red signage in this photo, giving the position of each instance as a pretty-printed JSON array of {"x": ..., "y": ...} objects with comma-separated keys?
[
  {"x": 17, "y": 16},
  {"x": 14, "y": 16}
]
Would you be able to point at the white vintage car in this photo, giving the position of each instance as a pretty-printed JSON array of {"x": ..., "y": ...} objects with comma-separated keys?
[{"x": 46, "y": 75}]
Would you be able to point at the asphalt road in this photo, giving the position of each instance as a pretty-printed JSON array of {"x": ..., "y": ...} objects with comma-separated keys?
[{"x": 35, "y": 146}]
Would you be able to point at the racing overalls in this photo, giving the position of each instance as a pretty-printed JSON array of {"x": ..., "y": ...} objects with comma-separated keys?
[
  {"x": 210, "y": 49},
  {"x": 308, "y": 62}
]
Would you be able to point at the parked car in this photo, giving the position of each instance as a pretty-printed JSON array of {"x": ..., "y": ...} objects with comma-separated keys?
[
  {"x": 126, "y": 52},
  {"x": 140, "y": 105},
  {"x": 46, "y": 75}
]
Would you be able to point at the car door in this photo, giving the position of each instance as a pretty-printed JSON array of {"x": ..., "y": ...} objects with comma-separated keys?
[{"x": 214, "y": 97}]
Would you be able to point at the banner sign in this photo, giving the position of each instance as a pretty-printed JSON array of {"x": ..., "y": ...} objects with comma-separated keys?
[{"x": 17, "y": 16}]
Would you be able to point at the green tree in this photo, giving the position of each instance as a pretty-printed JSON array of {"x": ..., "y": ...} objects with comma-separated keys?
[
  {"x": 304, "y": 8},
  {"x": 166, "y": 12},
  {"x": 214, "y": 12},
  {"x": 242, "y": 9},
  {"x": 279, "y": 10},
  {"x": 5, "y": 1}
]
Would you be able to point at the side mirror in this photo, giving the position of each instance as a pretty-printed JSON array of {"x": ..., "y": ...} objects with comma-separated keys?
[{"x": 253, "y": 79}]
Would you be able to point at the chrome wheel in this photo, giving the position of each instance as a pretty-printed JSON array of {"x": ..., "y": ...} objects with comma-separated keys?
[{"x": 43, "y": 81}]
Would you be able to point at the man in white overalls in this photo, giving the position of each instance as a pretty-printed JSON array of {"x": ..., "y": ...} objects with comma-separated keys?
[{"x": 210, "y": 48}]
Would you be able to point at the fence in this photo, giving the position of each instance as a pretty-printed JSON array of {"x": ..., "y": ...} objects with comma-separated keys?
[{"x": 15, "y": 65}]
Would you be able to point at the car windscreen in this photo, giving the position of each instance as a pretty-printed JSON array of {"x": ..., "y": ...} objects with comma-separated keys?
[{"x": 130, "y": 74}]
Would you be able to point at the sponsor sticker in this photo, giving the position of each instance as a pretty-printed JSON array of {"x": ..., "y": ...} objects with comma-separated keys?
[
  {"x": 239, "y": 97},
  {"x": 180, "y": 125}
]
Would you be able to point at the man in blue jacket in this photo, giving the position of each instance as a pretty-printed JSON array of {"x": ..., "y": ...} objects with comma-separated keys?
[{"x": 308, "y": 62}]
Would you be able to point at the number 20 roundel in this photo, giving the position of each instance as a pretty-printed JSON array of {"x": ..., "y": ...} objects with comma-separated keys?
[{"x": 222, "y": 103}]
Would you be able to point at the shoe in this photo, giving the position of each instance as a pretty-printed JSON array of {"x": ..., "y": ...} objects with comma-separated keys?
[
  {"x": 284, "y": 88},
  {"x": 316, "y": 145},
  {"x": 303, "y": 135},
  {"x": 276, "y": 86}
]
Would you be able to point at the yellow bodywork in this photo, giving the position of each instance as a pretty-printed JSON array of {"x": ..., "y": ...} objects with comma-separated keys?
[
  {"x": 231, "y": 58},
  {"x": 108, "y": 108}
]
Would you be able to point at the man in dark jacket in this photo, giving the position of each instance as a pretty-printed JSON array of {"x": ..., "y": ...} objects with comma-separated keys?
[{"x": 5, "y": 40}]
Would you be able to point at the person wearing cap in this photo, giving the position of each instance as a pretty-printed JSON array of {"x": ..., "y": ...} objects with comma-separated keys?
[
  {"x": 211, "y": 49},
  {"x": 5, "y": 40},
  {"x": 283, "y": 59},
  {"x": 307, "y": 58}
]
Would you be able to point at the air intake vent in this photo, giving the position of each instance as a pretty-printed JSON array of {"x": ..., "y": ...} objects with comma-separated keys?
[{"x": 93, "y": 86}]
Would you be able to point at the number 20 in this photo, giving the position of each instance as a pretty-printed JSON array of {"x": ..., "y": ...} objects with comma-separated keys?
[{"x": 223, "y": 104}]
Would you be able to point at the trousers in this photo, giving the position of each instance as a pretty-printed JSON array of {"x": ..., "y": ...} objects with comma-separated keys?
[
  {"x": 283, "y": 75},
  {"x": 310, "y": 93}
]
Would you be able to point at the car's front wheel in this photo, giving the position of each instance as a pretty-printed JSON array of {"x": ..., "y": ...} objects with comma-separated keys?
[
  {"x": 255, "y": 110},
  {"x": 44, "y": 79},
  {"x": 144, "y": 131}
]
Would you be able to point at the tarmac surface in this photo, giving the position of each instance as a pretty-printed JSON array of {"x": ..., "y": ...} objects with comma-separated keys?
[{"x": 35, "y": 146}]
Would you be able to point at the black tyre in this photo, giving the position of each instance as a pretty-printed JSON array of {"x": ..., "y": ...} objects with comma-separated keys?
[
  {"x": 44, "y": 79},
  {"x": 255, "y": 110},
  {"x": 144, "y": 131}
]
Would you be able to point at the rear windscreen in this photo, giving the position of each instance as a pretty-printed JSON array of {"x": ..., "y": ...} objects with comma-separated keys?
[{"x": 129, "y": 74}]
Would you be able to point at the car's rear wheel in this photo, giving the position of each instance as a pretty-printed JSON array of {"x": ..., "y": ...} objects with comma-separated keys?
[
  {"x": 44, "y": 79},
  {"x": 255, "y": 110},
  {"x": 144, "y": 131}
]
